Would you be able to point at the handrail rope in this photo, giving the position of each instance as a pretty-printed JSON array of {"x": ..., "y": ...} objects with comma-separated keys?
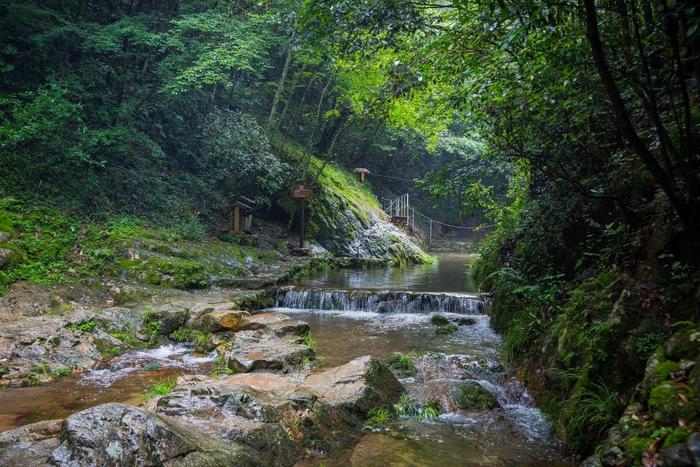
[{"x": 463, "y": 227}]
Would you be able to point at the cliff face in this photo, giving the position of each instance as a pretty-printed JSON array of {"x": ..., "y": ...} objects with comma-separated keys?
[{"x": 348, "y": 221}]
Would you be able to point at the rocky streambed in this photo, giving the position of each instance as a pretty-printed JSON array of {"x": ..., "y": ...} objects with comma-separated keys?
[{"x": 327, "y": 377}]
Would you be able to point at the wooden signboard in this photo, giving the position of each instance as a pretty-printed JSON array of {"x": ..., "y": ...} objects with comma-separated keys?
[{"x": 301, "y": 191}]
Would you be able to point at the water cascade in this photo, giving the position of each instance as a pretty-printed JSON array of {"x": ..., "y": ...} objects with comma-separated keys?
[{"x": 379, "y": 301}]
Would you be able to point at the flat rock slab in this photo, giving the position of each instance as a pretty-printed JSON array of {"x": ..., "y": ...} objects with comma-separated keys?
[
  {"x": 277, "y": 323},
  {"x": 361, "y": 384},
  {"x": 255, "y": 351}
]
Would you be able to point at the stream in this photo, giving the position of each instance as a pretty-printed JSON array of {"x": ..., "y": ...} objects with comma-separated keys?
[
  {"x": 352, "y": 313},
  {"x": 383, "y": 311}
]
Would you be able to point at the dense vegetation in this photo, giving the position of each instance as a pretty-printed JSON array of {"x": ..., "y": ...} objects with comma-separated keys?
[{"x": 571, "y": 126}]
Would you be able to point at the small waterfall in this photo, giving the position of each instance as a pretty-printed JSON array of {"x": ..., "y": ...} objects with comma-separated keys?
[{"x": 379, "y": 301}]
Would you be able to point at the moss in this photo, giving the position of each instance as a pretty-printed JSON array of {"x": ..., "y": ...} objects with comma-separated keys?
[
  {"x": 446, "y": 329},
  {"x": 439, "y": 320},
  {"x": 679, "y": 434},
  {"x": 85, "y": 326},
  {"x": 472, "y": 396},
  {"x": 664, "y": 369},
  {"x": 663, "y": 403},
  {"x": 685, "y": 343},
  {"x": 402, "y": 364},
  {"x": 636, "y": 446}
]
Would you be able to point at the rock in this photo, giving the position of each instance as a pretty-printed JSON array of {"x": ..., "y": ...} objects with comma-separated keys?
[
  {"x": 118, "y": 319},
  {"x": 169, "y": 318},
  {"x": 6, "y": 256},
  {"x": 253, "y": 351},
  {"x": 274, "y": 412},
  {"x": 464, "y": 321},
  {"x": 276, "y": 323},
  {"x": 439, "y": 320},
  {"x": 359, "y": 385},
  {"x": 470, "y": 395},
  {"x": 693, "y": 443},
  {"x": 684, "y": 344},
  {"x": 446, "y": 329},
  {"x": 677, "y": 455},
  {"x": 30, "y": 445},
  {"x": 118, "y": 434},
  {"x": 217, "y": 321},
  {"x": 4, "y": 236}
]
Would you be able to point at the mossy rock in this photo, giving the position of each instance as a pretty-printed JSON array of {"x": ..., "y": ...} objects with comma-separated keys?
[
  {"x": 439, "y": 320},
  {"x": 664, "y": 403},
  {"x": 684, "y": 344},
  {"x": 449, "y": 328},
  {"x": 471, "y": 395}
]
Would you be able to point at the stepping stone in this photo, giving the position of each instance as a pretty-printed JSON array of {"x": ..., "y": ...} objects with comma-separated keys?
[
  {"x": 253, "y": 351},
  {"x": 277, "y": 323}
]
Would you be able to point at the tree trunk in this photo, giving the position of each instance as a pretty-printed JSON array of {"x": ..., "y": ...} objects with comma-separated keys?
[
  {"x": 666, "y": 183},
  {"x": 283, "y": 78}
]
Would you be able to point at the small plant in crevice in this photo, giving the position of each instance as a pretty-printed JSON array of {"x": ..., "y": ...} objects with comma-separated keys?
[
  {"x": 405, "y": 407},
  {"x": 160, "y": 388},
  {"x": 430, "y": 411},
  {"x": 85, "y": 326},
  {"x": 308, "y": 341},
  {"x": 221, "y": 368},
  {"x": 182, "y": 334},
  {"x": 378, "y": 417}
]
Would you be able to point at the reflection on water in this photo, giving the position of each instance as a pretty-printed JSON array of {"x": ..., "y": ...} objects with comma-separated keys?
[
  {"x": 448, "y": 273},
  {"x": 341, "y": 336}
]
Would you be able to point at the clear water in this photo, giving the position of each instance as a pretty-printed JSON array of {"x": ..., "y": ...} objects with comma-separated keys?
[
  {"x": 513, "y": 435},
  {"x": 447, "y": 274},
  {"x": 124, "y": 379}
]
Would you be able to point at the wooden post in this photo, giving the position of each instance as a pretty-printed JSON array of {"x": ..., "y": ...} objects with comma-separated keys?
[
  {"x": 236, "y": 219},
  {"x": 301, "y": 224}
]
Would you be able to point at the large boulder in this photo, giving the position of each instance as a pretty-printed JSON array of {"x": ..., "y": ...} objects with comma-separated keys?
[
  {"x": 255, "y": 350},
  {"x": 359, "y": 385},
  {"x": 30, "y": 445}
]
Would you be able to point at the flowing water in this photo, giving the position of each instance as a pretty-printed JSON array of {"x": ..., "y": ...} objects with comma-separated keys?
[
  {"x": 384, "y": 311},
  {"x": 353, "y": 313},
  {"x": 123, "y": 379}
]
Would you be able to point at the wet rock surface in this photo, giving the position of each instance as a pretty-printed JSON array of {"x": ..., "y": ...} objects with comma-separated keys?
[
  {"x": 256, "y": 350},
  {"x": 245, "y": 419}
]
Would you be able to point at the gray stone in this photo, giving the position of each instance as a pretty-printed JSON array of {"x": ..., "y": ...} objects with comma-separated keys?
[
  {"x": 30, "y": 445},
  {"x": 276, "y": 323},
  {"x": 119, "y": 435},
  {"x": 169, "y": 318},
  {"x": 677, "y": 455},
  {"x": 254, "y": 351},
  {"x": 693, "y": 443}
]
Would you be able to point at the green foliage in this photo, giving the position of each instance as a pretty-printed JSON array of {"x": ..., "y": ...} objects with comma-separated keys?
[
  {"x": 446, "y": 329},
  {"x": 160, "y": 388},
  {"x": 378, "y": 417},
  {"x": 308, "y": 341},
  {"x": 85, "y": 326},
  {"x": 182, "y": 334},
  {"x": 595, "y": 409}
]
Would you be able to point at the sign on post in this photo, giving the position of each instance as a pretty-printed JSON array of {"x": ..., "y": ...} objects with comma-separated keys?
[{"x": 301, "y": 191}]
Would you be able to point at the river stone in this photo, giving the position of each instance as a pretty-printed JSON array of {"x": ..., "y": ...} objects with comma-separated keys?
[
  {"x": 470, "y": 395},
  {"x": 254, "y": 351},
  {"x": 277, "y": 323},
  {"x": 223, "y": 320},
  {"x": 4, "y": 236},
  {"x": 6, "y": 256},
  {"x": 169, "y": 318},
  {"x": 30, "y": 445},
  {"x": 274, "y": 413},
  {"x": 677, "y": 455},
  {"x": 359, "y": 385},
  {"x": 118, "y": 435}
]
